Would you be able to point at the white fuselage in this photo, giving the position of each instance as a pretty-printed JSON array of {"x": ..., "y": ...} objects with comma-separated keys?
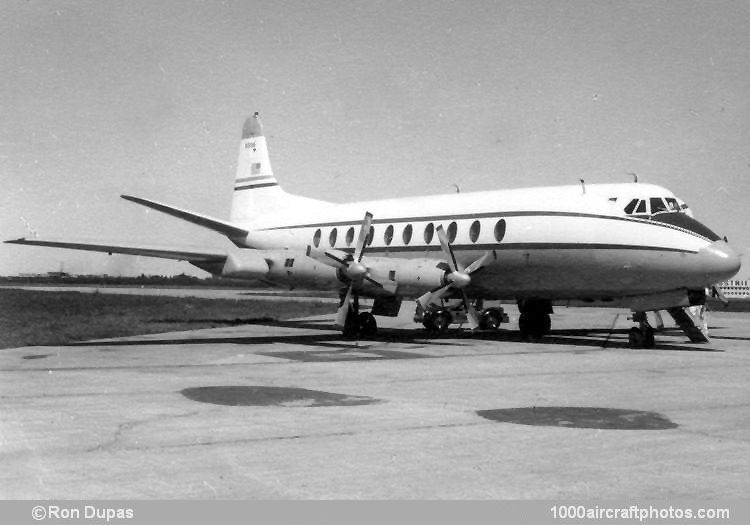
[{"x": 566, "y": 242}]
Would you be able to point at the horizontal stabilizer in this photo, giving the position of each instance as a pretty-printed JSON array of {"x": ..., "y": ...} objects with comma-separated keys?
[
  {"x": 217, "y": 225},
  {"x": 147, "y": 251}
]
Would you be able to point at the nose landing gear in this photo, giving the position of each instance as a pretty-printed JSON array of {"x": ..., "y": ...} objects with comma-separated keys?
[{"x": 641, "y": 336}]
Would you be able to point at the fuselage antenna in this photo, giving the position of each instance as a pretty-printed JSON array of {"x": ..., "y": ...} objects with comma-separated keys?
[{"x": 583, "y": 185}]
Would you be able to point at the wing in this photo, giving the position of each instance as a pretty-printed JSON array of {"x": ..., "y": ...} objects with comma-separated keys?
[{"x": 198, "y": 258}]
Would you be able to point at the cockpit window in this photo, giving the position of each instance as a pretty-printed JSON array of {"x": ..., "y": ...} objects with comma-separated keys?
[{"x": 657, "y": 205}]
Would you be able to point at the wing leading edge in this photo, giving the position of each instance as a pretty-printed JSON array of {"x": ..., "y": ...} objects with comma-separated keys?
[{"x": 147, "y": 251}]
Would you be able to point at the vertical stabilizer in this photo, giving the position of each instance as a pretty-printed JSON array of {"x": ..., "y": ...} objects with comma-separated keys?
[{"x": 256, "y": 190}]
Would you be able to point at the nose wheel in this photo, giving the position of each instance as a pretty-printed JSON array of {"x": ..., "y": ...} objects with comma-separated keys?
[{"x": 641, "y": 336}]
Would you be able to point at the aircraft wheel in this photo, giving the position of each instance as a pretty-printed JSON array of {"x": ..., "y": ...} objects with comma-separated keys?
[
  {"x": 635, "y": 338},
  {"x": 440, "y": 321},
  {"x": 524, "y": 325},
  {"x": 546, "y": 323},
  {"x": 351, "y": 326},
  {"x": 534, "y": 325},
  {"x": 368, "y": 326},
  {"x": 648, "y": 340},
  {"x": 638, "y": 338},
  {"x": 490, "y": 319}
]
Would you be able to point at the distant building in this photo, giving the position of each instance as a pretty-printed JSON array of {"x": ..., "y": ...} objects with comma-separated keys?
[{"x": 735, "y": 289}]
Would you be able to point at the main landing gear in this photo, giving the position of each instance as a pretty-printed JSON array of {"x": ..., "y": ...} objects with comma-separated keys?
[
  {"x": 362, "y": 324},
  {"x": 641, "y": 336},
  {"x": 534, "y": 325},
  {"x": 437, "y": 318},
  {"x": 534, "y": 322},
  {"x": 359, "y": 324}
]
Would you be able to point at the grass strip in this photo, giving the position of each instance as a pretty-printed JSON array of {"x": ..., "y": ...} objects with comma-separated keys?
[{"x": 32, "y": 318}]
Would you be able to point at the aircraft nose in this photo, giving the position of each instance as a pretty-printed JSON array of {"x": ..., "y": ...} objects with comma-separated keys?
[{"x": 720, "y": 262}]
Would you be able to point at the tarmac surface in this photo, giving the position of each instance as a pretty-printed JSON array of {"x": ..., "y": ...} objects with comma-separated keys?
[{"x": 291, "y": 410}]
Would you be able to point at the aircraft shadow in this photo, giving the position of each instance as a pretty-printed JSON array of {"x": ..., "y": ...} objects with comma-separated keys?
[{"x": 600, "y": 338}]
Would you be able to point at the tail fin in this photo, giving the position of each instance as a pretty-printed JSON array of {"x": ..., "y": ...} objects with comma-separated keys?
[{"x": 256, "y": 190}]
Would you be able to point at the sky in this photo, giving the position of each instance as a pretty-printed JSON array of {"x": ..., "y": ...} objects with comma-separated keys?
[{"x": 359, "y": 100}]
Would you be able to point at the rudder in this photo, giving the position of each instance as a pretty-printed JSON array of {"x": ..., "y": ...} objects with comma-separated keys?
[{"x": 256, "y": 190}]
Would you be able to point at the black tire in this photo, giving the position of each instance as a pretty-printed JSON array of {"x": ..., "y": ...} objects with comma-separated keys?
[
  {"x": 524, "y": 325},
  {"x": 635, "y": 338},
  {"x": 351, "y": 326},
  {"x": 440, "y": 321},
  {"x": 534, "y": 325},
  {"x": 546, "y": 323},
  {"x": 490, "y": 320},
  {"x": 649, "y": 341},
  {"x": 368, "y": 326}
]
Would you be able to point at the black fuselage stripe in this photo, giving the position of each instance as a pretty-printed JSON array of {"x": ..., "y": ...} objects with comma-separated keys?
[
  {"x": 437, "y": 218},
  {"x": 484, "y": 215},
  {"x": 518, "y": 246},
  {"x": 259, "y": 177},
  {"x": 256, "y": 186}
]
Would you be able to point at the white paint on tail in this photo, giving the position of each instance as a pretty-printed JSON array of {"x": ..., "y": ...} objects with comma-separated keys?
[{"x": 257, "y": 193}]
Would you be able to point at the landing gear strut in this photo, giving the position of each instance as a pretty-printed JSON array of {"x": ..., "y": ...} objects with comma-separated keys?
[{"x": 641, "y": 336}]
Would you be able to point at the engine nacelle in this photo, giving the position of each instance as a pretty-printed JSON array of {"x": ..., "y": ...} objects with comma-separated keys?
[
  {"x": 413, "y": 276},
  {"x": 246, "y": 264},
  {"x": 294, "y": 270}
]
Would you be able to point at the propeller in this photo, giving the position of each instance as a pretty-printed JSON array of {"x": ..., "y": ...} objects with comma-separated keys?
[
  {"x": 458, "y": 279},
  {"x": 355, "y": 270},
  {"x": 351, "y": 267}
]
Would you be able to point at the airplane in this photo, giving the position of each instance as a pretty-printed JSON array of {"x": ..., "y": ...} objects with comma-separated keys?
[{"x": 630, "y": 245}]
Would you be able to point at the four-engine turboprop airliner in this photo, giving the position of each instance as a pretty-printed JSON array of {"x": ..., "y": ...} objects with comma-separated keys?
[{"x": 631, "y": 245}]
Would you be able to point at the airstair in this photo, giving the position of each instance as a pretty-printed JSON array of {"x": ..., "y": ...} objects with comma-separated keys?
[{"x": 692, "y": 321}]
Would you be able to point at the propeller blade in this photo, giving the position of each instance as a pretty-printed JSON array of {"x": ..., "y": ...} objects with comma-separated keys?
[
  {"x": 364, "y": 231},
  {"x": 434, "y": 295},
  {"x": 479, "y": 263},
  {"x": 339, "y": 260},
  {"x": 344, "y": 309},
  {"x": 471, "y": 313},
  {"x": 424, "y": 300},
  {"x": 447, "y": 250},
  {"x": 333, "y": 258}
]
